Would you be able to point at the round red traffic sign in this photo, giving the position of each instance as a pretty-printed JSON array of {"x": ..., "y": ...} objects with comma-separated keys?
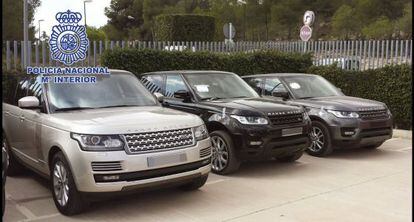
[{"x": 305, "y": 33}]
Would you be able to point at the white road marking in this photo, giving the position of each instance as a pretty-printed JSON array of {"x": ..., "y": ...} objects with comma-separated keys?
[
  {"x": 405, "y": 149},
  {"x": 25, "y": 211},
  {"x": 41, "y": 217},
  {"x": 215, "y": 181}
]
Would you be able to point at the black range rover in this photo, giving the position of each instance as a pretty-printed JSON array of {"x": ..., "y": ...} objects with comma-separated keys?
[
  {"x": 242, "y": 125},
  {"x": 338, "y": 121}
]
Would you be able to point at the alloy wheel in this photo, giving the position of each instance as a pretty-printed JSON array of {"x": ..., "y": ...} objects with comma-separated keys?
[
  {"x": 220, "y": 156},
  {"x": 61, "y": 183},
  {"x": 317, "y": 139}
]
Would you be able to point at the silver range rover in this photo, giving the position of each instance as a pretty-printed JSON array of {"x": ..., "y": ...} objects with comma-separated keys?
[{"x": 108, "y": 136}]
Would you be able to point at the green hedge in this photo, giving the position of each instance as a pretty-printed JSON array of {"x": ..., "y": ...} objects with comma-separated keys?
[
  {"x": 391, "y": 85},
  {"x": 140, "y": 61},
  {"x": 184, "y": 28}
]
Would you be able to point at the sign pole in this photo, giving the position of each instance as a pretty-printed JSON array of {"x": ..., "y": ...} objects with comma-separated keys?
[{"x": 25, "y": 35}]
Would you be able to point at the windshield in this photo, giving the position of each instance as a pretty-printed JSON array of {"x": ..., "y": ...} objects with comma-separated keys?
[
  {"x": 310, "y": 86},
  {"x": 219, "y": 86},
  {"x": 115, "y": 90}
]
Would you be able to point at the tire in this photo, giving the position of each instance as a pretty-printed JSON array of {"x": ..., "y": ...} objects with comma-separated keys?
[
  {"x": 195, "y": 184},
  {"x": 75, "y": 203},
  {"x": 373, "y": 147},
  {"x": 15, "y": 168},
  {"x": 320, "y": 132},
  {"x": 290, "y": 158},
  {"x": 229, "y": 162}
]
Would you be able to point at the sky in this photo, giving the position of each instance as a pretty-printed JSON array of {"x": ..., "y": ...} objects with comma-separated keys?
[{"x": 95, "y": 15}]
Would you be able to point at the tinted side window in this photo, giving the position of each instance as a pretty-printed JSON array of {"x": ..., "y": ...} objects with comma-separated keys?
[
  {"x": 10, "y": 83},
  {"x": 153, "y": 83},
  {"x": 255, "y": 83},
  {"x": 173, "y": 84},
  {"x": 22, "y": 88},
  {"x": 273, "y": 85}
]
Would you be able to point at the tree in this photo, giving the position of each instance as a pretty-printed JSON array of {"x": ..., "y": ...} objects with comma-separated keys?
[
  {"x": 287, "y": 17},
  {"x": 382, "y": 28},
  {"x": 344, "y": 22},
  {"x": 13, "y": 19},
  {"x": 95, "y": 34},
  {"x": 405, "y": 23}
]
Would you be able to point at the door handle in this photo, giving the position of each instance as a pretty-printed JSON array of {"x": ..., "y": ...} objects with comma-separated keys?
[
  {"x": 7, "y": 113},
  {"x": 22, "y": 118}
]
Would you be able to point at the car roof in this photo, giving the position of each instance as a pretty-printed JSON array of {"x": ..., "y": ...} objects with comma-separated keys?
[
  {"x": 185, "y": 72},
  {"x": 279, "y": 75}
]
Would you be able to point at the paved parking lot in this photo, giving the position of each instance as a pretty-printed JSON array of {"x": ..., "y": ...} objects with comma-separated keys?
[{"x": 349, "y": 185}]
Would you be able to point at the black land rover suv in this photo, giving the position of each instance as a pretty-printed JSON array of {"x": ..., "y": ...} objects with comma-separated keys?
[
  {"x": 242, "y": 125},
  {"x": 338, "y": 121}
]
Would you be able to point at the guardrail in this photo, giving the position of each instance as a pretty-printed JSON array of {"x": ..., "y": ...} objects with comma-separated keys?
[{"x": 354, "y": 54}]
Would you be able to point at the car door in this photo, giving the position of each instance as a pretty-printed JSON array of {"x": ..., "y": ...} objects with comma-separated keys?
[
  {"x": 12, "y": 120},
  {"x": 31, "y": 124},
  {"x": 174, "y": 83}
]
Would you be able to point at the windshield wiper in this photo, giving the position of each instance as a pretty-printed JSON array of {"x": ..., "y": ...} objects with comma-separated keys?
[
  {"x": 73, "y": 108},
  {"x": 307, "y": 97},
  {"x": 211, "y": 98},
  {"x": 115, "y": 106},
  {"x": 237, "y": 97}
]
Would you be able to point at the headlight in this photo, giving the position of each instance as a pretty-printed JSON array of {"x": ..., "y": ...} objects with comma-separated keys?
[
  {"x": 343, "y": 114},
  {"x": 389, "y": 112},
  {"x": 99, "y": 142},
  {"x": 251, "y": 120},
  {"x": 200, "y": 132}
]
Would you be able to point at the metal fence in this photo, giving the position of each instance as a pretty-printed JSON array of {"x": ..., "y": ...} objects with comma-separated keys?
[{"x": 355, "y": 54}]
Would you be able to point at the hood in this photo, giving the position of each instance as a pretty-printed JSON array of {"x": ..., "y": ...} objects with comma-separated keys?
[
  {"x": 342, "y": 103},
  {"x": 123, "y": 120},
  {"x": 250, "y": 106}
]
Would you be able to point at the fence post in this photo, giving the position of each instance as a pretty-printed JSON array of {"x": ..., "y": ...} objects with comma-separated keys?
[
  {"x": 29, "y": 59},
  {"x": 21, "y": 54},
  {"x": 43, "y": 53},
  {"x": 37, "y": 54},
  {"x": 8, "y": 55},
  {"x": 94, "y": 53},
  {"x": 15, "y": 52},
  {"x": 406, "y": 51}
]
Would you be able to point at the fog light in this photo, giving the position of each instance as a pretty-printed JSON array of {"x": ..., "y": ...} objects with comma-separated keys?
[
  {"x": 112, "y": 177},
  {"x": 255, "y": 143}
]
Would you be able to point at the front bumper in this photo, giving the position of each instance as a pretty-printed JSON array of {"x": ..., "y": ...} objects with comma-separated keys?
[
  {"x": 135, "y": 171},
  {"x": 272, "y": 143},
  {"x": 365, "y": 132}
]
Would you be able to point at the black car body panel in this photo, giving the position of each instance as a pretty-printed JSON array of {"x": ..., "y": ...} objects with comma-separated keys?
[
  {"x": 217, "y": 116},
  {"x": 373, "y": 126}
]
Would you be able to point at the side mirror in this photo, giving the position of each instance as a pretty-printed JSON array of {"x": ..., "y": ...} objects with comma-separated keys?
[
  {"x": 339, "y": 89},
  {"x": 283, "y": 94},
  {"x": 29, "y": 102},
  {"x": 182, "y": 94},
  {"x": 159, "y": 97}
]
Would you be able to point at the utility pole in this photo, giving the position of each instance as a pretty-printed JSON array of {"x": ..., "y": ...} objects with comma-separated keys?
[
  {"x": 25, "y": 34},
  {"x": 40, "y": 20},
  {"x": 84, "y": 10}
]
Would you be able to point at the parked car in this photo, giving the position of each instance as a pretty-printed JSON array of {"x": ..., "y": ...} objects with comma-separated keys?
[
  {"x": 5, "y": 164},
  {"x": 338, "y": 121},
  {"x": 242, "y": 125},
  {"x": 109, "y": 136}
]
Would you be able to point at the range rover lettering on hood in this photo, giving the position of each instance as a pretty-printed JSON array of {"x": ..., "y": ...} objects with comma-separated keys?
[
  {"x": 284, "y": 112},
  {"x": 373, "y": 108}
]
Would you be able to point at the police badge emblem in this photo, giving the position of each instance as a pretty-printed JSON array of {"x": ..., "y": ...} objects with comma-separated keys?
[{"x": 68, "y": 42}]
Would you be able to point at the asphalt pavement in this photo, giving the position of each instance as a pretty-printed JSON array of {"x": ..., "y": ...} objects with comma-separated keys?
[{"x": 349, "y": 185}]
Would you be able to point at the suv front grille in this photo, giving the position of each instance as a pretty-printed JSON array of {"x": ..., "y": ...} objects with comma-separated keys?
[
  {"x": 373, "y": 114},
  {"x": 286, "y": 119},
  {"x": 158, "y": 141}
]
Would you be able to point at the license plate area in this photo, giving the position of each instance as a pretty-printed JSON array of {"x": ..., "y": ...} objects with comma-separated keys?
[
  {"x": 292, "y": 131},
  {"x": 156, "y": 161}
]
